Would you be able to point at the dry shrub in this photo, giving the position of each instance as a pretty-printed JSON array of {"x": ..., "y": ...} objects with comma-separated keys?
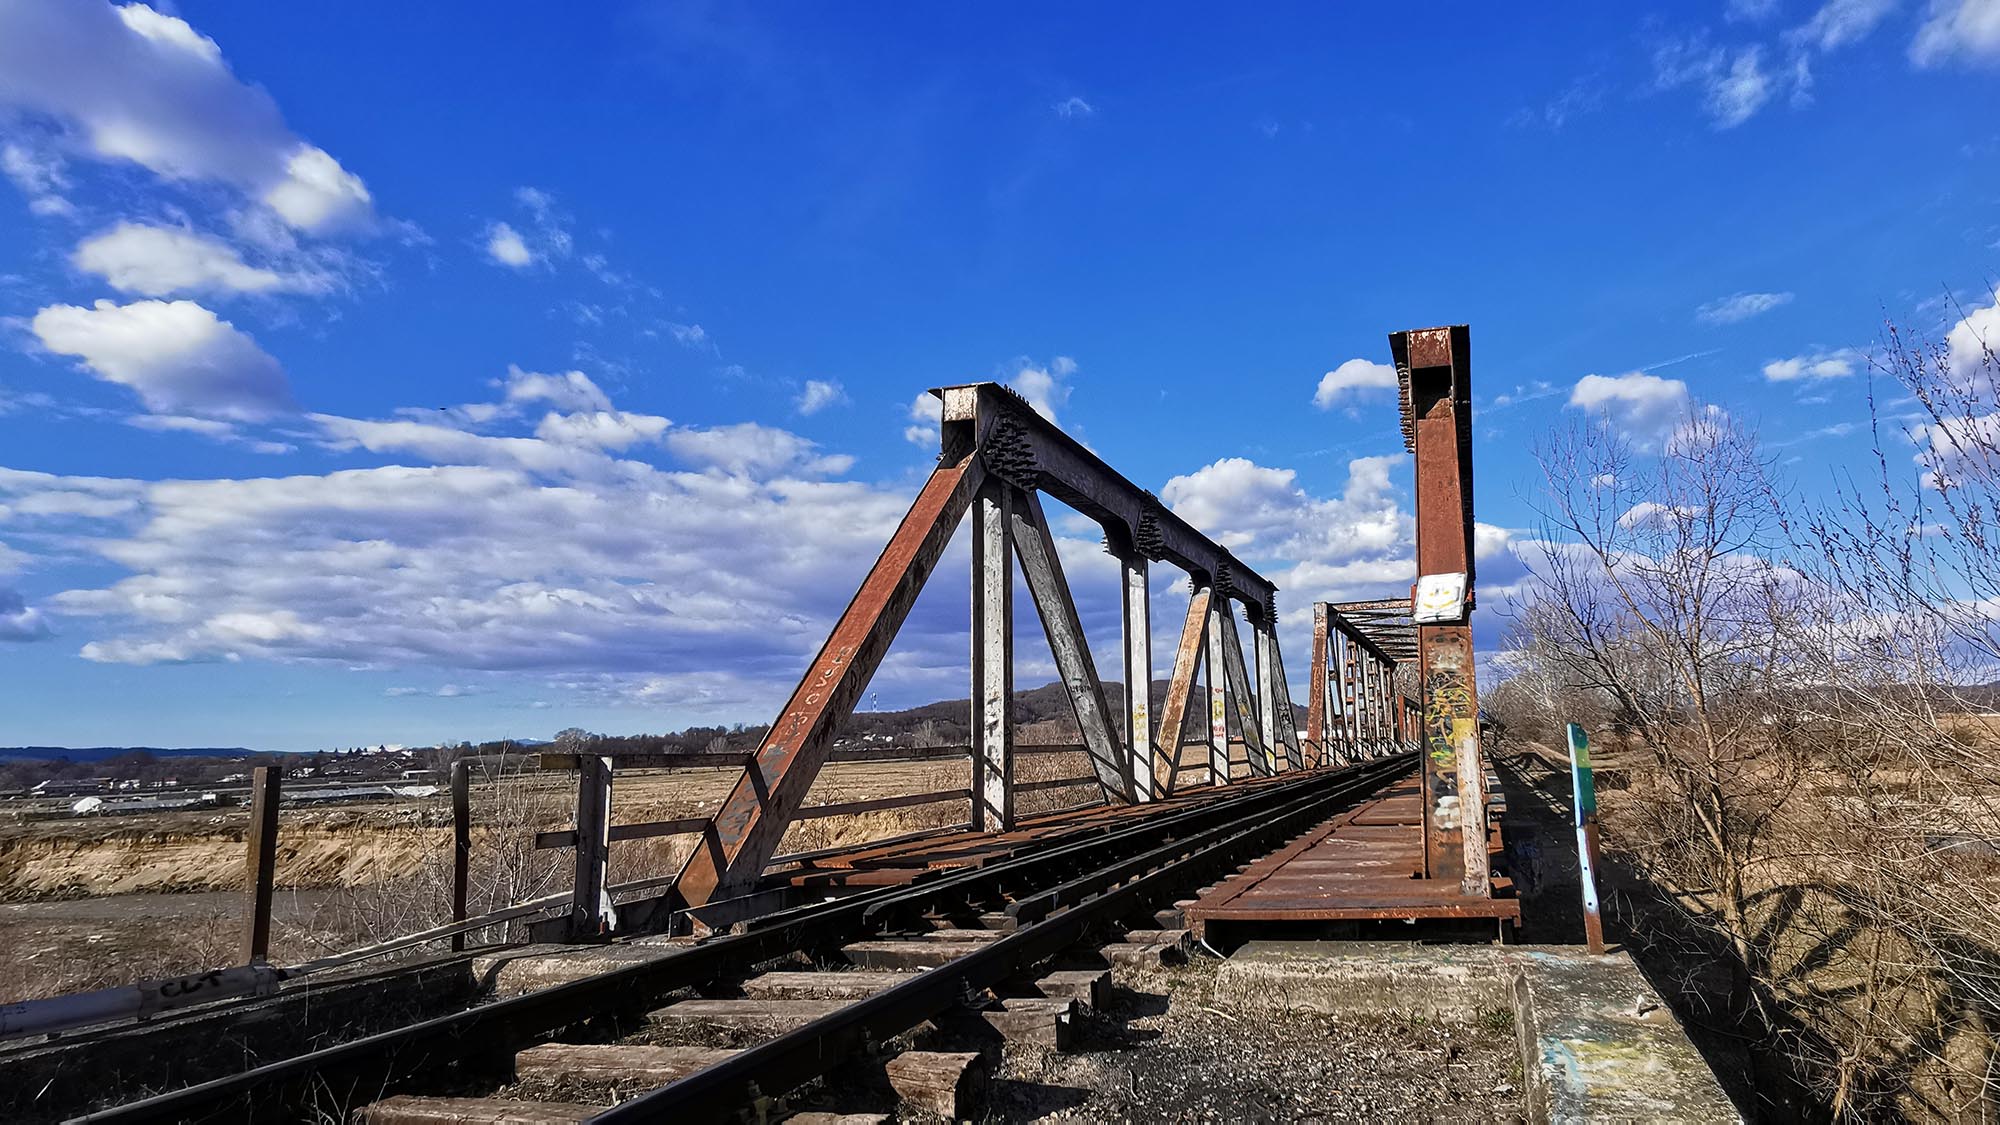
[{"x": 1788, "y": 686}]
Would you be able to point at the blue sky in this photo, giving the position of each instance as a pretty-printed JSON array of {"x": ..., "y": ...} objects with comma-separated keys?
[{"x": 376, "y": 373}]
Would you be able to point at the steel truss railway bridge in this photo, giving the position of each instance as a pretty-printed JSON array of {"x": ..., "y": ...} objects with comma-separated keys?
[{"x": 824, "y": 957}]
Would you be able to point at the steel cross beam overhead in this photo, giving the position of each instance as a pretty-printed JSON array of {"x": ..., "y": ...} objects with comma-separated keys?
[{"x": 997, "y": 454}]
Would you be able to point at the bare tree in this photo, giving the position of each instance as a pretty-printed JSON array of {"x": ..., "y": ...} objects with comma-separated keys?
[
  {"x": 1809, "y": 690},
  {"x": 1912, "y": 558},
  {"x": 1656, "y": 593}
]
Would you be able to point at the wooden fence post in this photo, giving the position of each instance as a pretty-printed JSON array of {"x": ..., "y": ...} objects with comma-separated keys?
[
  {"x": 461, "y": 845},
  {"x": 261, "y": 862},
  {"x": 591, "y": 913}
]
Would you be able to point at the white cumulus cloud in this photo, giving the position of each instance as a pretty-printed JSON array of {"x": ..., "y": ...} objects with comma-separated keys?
[
  {"x": 748, "y": 448},
  {"x": 505, "y": 245},
  {"x": 179, "y": 356},
  {"x": 134, "y": 84},
  {"x": 569, "y": 391},
  {"x": 1645, "y": 408},
  {"x": 818, "y": 395},
  {"x": 1815, "y": 365},
  {"x": 158, "y": 261},
  {"x": 1044, "y": 385},
  {"x": 1352, "y": 376},
  {"x": 20, "y": 621}
]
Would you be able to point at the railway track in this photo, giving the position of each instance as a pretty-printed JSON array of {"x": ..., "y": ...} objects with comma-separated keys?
[{"x": 804, "y": 992}]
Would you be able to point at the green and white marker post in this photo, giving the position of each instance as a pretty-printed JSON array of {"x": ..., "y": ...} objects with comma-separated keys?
[{"x": 1586, "y": 834}]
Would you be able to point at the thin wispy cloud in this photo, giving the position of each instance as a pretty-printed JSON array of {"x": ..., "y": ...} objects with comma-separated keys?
[{"x": 1740, "y": 307}]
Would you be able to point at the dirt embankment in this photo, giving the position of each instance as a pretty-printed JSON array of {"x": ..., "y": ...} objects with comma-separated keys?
[{"x": 187, "y": 852}]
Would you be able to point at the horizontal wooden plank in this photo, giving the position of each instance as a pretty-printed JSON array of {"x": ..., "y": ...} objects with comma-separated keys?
[
  {"x": 614, "y": 1062},
  {"x": 825, "y": 985},
  {"x": 1058, "y": 783},
  {"x": 567, "y": 837},
  {"x": 841, "y": 849},
  {"x": 703, "y": 759},
  {"x": 853, "y": 808},
  {"x": 405, "y": 1109}
]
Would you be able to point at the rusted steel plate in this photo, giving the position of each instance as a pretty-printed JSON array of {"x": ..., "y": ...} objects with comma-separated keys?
[{"x": 1358, "y": 866}]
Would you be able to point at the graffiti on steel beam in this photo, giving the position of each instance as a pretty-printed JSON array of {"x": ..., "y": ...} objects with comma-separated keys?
[{"x": 1448, "y": 721}]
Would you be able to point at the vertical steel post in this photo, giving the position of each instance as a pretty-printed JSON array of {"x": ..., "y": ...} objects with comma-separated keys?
[
  {"x": 1433, "y": 365},
  {"x": 590, "y": 911},
  {"x": 1381, "y": 705},
  {"x": 1319, "y": 703},
  {"x": 992, "y": 659},
  {"x": 260, "y": 862},
  {"x": 1218, "y": 693},
  {"x": 1369, "y": 703},
  {"x": 1138, "y": 627},
  {"x": 461, "y": 845},
  {"x": 1362, "y": 744},
  {"x": 1267, "y": 693},
  {"x": 1351, "y": 663}
]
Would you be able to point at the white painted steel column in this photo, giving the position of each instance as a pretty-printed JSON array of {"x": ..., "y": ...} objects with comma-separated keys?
[
  {"x": 992, "y": 661},
  {"x": 1267, "y": 694},
  {"x": 1138, "y": 620},
  {"x": 1218, "y": 693}
]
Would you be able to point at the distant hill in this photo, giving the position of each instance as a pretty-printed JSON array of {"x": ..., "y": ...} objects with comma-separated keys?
[
  {"x": 1041, "y": 714},
  {"x": 100, "y": 753}
]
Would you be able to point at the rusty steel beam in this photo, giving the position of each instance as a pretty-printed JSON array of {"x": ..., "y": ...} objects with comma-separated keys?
[
  {"x": 1033, "y": 452},
  {"x": 1433, "y": 365},
  {"x": 1180, "y": 690},
  {"x": 986, "y": 430},
  {"x": 1036, "y": 549},
  {"x": 992, "y": 659},
  {"x": 745, "y": 832}
]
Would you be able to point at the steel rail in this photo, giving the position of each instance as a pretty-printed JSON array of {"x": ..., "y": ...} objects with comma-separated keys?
[
  {"x": 819, "y": 1047},
  {"x": 379, "y": 1062}
]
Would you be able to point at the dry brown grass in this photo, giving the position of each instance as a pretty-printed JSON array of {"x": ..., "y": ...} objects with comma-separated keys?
[{"x": 362, "y": 874}]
